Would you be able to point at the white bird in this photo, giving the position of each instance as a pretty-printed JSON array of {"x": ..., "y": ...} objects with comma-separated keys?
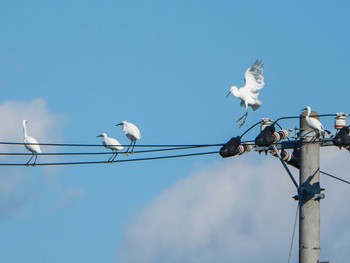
[
  {"x": 31, "y": 144},
  {"x": 132, "y": 132},
  {"x": 254, "y": 81},
  {"x": 111, "y": 143},
  {"x": 314, "y": 124}
]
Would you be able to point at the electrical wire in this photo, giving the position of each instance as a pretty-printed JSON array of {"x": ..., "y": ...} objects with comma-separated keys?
[
  {"x": 151, "y": 148},
  {"x": 116, "y": 161},
  {"x": 99, "y": 145},
  {"x": 334, "y": 177},
  {"x": 293, "y": 235},
  {"x": 161, "y": 148},
  {"x": 105, "y": 153}
]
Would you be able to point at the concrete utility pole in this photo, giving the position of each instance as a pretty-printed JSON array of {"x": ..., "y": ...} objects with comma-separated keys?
[{"x": 309, "y": 196}]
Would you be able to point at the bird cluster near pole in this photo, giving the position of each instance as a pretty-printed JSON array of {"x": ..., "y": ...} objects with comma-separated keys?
[
  {"x": 248, "y": 95},
  {"x": 130, "y": 130},
  {"x": 267, "y": 137}
]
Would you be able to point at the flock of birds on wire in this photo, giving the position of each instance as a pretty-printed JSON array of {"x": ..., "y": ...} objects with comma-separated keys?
[
  {"x": 130, "y": 130},
  {"x": 248, "y": 95}
]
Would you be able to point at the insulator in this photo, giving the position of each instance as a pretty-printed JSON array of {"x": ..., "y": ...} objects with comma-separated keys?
[
  {"x": 340, "y": 121},
  {"x": 281, "y": 135},
  {"x": 244, "y": 147},
  {"x": 286, "y": 156},
  {"x": 265, "y": 122},
  {"x": 276, "y": 137}
]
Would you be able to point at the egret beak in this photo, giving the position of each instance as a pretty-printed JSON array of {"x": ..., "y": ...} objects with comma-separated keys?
[
  {"x": 119, "y": 124},
  {"x": 99, "y": 135},
  {"x": 228, "y": 94},
  {"x": 303, "y": 109}
]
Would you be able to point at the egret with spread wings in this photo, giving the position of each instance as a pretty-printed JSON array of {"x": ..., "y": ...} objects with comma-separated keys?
[{"x": 254, "y": 82}]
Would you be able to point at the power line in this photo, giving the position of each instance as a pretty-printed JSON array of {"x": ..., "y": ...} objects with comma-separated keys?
[
  {"x": 334, "y": 177},
  {"x": 104, "y": 153},
  {"x": 116, "y": 161},
  {"x": 100, "y": 145}
]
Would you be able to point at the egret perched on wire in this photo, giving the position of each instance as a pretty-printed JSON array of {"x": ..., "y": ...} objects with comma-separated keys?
[
  {"x": 31, "y": 144},
  {"x": 314, "y": 124},
  {"x": 132, "y": 132},
  {"x": 254, "y": 81},
  {"x": 111, "y": 143}
]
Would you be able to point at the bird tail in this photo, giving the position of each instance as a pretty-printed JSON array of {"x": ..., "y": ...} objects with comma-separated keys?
[{"x": 257, "y": 105}]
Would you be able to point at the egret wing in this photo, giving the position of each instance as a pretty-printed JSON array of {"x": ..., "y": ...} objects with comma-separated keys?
[
  {"x": 132, "y": 131},
  {"x": 113, "y": 144},
  {"x": 254, "y": 77},
  {"x": 32, "y": 144}
]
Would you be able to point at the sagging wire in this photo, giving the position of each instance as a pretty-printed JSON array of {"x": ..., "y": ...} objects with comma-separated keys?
[
  {"x": 293, "y": 235},
  {"x": 335, "y": 177},
  {"x": 115, "y": 161},
  {"x": 106, "y": 153},
  {"x": 126, "y": 145}
]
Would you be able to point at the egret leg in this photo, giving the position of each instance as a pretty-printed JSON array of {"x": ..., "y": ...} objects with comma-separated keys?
[
  {"x": 111, "y": 158},
  {"x": 36, "y": 156},
  {"x": 115, "y": 156},
  {"x": 133, "y": 146},
  {"x": 244, "y": 117},
  {"x": 29, "y": 160},
  {"x": 126, "y": 153}
]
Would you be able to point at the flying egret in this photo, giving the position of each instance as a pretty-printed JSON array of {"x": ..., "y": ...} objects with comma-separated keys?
[
  {"x": 111, "y": 143},
  {"x": 254, "y": 81},
  {"x": 314, "y": 124},
  {"x": 31, "y": 144},
  {"x": 132, "y": 132}
]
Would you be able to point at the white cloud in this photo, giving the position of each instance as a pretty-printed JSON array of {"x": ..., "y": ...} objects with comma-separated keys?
[
  {"x": 16, "y": 184},
  {"x": 235, "y": 210},
  {"x": 42, "y": 124}
]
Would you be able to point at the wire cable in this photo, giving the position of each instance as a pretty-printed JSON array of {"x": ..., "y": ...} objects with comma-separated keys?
[
  {"x": 100, "y": 145},
  {"x": 103, "y": 153},
  {"x": 334, "y": 177},
  {"x": 116, "y": 161},
  {"x": 293, "y": 235}
]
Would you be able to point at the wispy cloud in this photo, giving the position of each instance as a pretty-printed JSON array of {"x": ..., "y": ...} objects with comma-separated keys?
[
  {"x": 237, "y": 210},
  {"x": 16, "y": 184},
  {"x": 42, "y": 124}
]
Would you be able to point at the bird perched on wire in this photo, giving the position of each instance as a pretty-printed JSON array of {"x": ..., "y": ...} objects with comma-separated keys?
[
  {"x": 31, "y": 144},
  {"x": 132, "y": 133},
  {"x": 254, "y": 82},
  {"x": 111, "y": 143},
  {"x": 314, "y": 124}
]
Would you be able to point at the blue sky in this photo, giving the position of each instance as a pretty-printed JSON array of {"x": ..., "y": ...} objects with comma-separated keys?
[{"x": 74, "y": 69}]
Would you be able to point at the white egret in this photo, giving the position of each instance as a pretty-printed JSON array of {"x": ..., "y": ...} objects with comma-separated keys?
[
  {"x": 254, "y": 81},
  {"x": 31, "y": 144},
  {"x": 111, "y": 143},
  {"x": 132, "y": 132},
  {"x": 314, "y": 124}
]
